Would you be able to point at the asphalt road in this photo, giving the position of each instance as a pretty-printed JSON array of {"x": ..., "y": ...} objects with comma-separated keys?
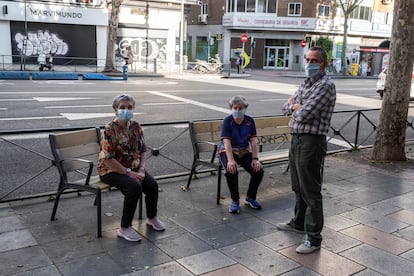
[
  {"x": 48, "y": 105},
  {"x": 56, "y": 104}
]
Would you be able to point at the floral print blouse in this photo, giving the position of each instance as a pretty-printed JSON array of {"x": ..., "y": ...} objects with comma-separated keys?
[{"x": 125, "y": 144}]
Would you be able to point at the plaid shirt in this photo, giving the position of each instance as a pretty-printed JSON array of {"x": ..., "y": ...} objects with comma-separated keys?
[{"x": 318, "y": 96}]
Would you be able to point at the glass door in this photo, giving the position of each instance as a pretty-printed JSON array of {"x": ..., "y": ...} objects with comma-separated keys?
[
  {"x": 276, "y": 58},
  {"x": 282, "y": 58},
  {"x": 270, "y": 58}
]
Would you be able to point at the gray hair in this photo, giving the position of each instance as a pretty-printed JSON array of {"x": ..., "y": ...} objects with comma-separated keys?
[
  {"x": 322, "y": 52},
  {"x": 238, "y": 100},
  {"x": 120, "y": 98}
]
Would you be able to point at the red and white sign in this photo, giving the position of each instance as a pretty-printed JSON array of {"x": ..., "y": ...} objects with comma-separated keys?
[
  {"x": 303, "y": 43},
  {"x": 244, "y": 38}
]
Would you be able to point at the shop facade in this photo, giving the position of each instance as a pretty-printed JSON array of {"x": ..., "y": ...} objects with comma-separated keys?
[
  {"x": 76, "y": 32},
  {"x": 62, "y": 31}
]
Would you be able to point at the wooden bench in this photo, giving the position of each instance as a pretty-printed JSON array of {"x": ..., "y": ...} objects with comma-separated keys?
[
  {"x": 77, "y": 152},
  {"x": 273, "y": 136}
]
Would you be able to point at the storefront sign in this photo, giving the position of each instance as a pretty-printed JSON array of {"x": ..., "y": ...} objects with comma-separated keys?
[
  {"x": 53, "y": 13},
  {"x": 268, "y": 21}
]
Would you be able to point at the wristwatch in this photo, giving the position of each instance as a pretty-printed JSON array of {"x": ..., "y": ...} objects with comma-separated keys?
[{"x": 128, "y": 170}]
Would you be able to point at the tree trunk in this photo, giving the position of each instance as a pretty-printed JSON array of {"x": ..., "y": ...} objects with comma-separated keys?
[
  {"x": 112, "y": 35},
  {"x": 390, "y": 139},
  {"x": 344, "y": 65}
]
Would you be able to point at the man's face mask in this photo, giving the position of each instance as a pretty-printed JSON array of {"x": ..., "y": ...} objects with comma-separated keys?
[{"x": 312, "y": 69}]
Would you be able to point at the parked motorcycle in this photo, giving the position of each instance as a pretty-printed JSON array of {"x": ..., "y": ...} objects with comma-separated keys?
[
  {"x": 45, "y": 61},
  {"x": 213, "y": 66}
]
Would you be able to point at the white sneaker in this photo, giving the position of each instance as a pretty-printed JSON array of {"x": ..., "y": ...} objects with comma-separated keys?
[
  {"x": 129, "y": 234},
  {"x": 156, "y": 224},
  {"x": 307, "y": 247}
]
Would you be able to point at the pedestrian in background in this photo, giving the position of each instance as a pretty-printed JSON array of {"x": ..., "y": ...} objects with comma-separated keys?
[
  {"x": 239, "y": 63},
  {"x": 311, "y": 108},
  {"x": 130, "y": 56}
]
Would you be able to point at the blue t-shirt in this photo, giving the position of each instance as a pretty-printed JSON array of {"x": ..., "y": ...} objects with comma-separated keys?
[{"x": 239, "y": 135}]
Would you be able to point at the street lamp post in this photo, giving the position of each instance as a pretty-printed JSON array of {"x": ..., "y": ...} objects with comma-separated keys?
[
  {"x": 23, "y": 51},
  {"x": 181, "y": 37}
]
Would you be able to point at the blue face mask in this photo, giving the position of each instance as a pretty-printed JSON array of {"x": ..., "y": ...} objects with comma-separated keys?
[
  {"x": 125, "y": 114},
  {"x": 312, "y": 69},
  {"x": 237, "y": 114}
]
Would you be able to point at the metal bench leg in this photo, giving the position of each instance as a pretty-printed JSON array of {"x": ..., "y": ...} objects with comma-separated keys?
[
  {"x": 193, "y": 168},
  {"x": 218, "y": 185},
  {"x": 55, "y": 205},
  {"x": 98, "y": 211}
]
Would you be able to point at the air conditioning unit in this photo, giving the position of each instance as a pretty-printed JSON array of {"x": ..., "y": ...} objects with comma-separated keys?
[
  {"x": 202, "y": 18},
  {"x": 386, "y": 2}
]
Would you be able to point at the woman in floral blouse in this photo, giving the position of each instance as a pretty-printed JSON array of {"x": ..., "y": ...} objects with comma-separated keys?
[{"x": 122, "y": 165}]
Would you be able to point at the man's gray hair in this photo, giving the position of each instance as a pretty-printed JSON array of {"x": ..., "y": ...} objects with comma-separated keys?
[
  {"x": 238, "y": 100},
  {"x": 123, "y": 97},
  {"x": 322, "y": 52}
]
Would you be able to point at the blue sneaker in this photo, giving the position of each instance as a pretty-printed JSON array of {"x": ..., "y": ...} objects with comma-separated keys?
[
  {"x": 253, "y": 203},
  {"x": 234, "y": 207}
]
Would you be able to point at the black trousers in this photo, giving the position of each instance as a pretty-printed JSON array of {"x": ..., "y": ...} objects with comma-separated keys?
[
  {"x": 306, "y": 158},
  {"x": 233, "y": 179},
  {"x": 131, "y": 189}
]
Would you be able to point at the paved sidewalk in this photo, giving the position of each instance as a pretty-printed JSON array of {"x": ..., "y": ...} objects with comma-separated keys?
[{"x": 369, "y": 229}]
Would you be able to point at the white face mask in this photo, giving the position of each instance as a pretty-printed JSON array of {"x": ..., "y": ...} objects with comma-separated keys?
[
  {"x": 237, "y": 114},
  {"x": 312, "y": 69}
]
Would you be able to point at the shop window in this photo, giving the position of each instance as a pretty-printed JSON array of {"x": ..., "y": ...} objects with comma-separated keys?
[
  {"x": 294, "y": 9},
  {"x": 324, "y": 10}
]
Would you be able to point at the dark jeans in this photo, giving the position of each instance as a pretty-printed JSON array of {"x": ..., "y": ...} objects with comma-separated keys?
[
  {"x": 306, "y": 159},
  {"x": 131, "y": 189},
  {"x": 233, "y": 179}
]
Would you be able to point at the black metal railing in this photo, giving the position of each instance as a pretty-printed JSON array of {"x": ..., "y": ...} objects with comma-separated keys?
[{"x": 27, "y": 170}]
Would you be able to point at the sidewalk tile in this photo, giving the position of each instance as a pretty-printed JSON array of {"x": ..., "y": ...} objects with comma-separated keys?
[
  {"x": 205, "y": 262},
  {"x": 10, "y": 223},
  {"x": 409, "y": 255},
  {"x": 167, "y": 269},
  {"x": 338, "y": 222},
  {"x": 67, "y": 250},
  {"x": 16, "y": 239},
  {"x": 195, "y": 221},
  {"x": 138, "y": 256},
  {"x": 221, "y": 235},
  {"x": 405, "y": 216},
  {"x": 379, "y": 239},
  {"x": 182, "y": 245},
  {"x": 323, "y": 262},
  {"x": 233, "y": 270},
  {"x": 337, "y": 242},
  {"x": 372, "y": 219},
  {"x": 406, "y": 233},
  {"x": 379, "y": 260},
  {"x": 259, "y": 258},
  {"x": 24, "y": 259},
  {"x": 100, "y": 264}
]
